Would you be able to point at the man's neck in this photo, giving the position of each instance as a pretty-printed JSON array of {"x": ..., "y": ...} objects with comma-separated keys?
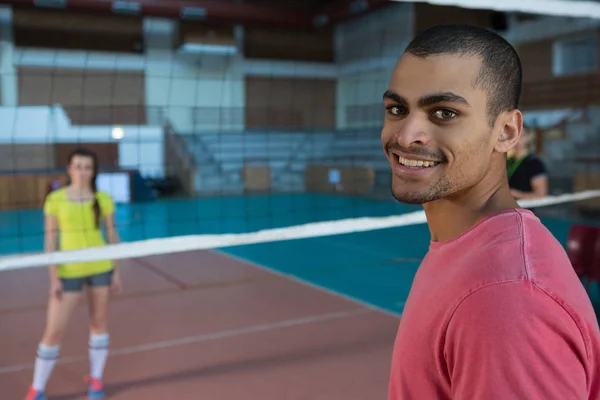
[{"x": 454, "y": 215}]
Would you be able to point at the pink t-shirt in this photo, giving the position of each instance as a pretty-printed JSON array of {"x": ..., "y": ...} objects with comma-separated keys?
[{"x": 497, "y": 313}]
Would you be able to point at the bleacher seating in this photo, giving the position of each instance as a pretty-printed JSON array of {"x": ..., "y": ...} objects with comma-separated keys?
[{"x": 221, "y": 156}]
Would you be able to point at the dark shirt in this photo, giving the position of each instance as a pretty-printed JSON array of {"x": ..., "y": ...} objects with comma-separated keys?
[{"x": 530, "y": 168}]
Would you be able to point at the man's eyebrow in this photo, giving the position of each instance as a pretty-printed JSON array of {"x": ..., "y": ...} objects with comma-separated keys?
[
  {"x": 444, "y": 97},
  {"x": 395, "y": 97}
]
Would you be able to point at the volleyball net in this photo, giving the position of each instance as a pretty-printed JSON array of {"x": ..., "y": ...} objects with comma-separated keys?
[
  {"x": 220, "y": 135},
  {"x": 172, "y": 245}
]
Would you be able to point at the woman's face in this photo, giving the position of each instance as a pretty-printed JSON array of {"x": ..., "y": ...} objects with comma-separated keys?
[
  {"x": 81, "y": 170},
  {"x": 524, "y": 140}
]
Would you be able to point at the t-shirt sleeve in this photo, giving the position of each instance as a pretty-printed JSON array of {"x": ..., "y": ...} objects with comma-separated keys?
[
  {"x": 536, "y": 168},
  {"x": 513, "y": 341},
  {"x": 51, "y": 205},
  {"x": 107, "y": 206}
]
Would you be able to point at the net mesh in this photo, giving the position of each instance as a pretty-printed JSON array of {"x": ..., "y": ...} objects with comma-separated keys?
[{"x": 211, "y": 136}]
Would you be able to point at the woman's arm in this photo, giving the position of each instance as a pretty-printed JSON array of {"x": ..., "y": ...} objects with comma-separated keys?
[
  {"x": 113, "y": 238},
  {"x": 539, "y": 185},
  {"x": 111, "y": 230},
  {"x": 50, "y": 246},
  {"x": 51, "y": 239}
]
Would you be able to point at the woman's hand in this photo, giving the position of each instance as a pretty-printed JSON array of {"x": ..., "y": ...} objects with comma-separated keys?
[
  {"x": 56, "y": 288},
  {"x": 516, "y": 194},
  {"x": 116, "y": 286}
]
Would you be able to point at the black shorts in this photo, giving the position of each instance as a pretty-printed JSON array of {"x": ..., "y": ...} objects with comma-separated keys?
[{"x": 76, "y": 284}]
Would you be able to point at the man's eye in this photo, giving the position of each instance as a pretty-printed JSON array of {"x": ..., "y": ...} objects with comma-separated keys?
[
  {"x": 395, "y": 110},
  {"x": 445, "y": 114}
]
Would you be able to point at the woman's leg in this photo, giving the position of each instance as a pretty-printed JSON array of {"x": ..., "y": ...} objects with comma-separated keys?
[
  {"x": 98, "y": 299},
  {"x": 60, "y": 310}
]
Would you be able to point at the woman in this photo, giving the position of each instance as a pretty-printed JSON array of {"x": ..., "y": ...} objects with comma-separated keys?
[
  {"x": 76, "y": 212},
  {"x": 527, "y": 174}
]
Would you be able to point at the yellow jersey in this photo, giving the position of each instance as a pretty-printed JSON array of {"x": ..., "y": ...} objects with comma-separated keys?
[{"x": 77, "y": 230}]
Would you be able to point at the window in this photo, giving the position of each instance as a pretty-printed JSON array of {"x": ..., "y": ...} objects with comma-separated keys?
[{"x": 576, "y": 55}]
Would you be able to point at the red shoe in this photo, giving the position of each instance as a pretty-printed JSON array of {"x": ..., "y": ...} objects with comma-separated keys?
[
  {"x": 95, "y": 388},
  {"x": 35, "y": 395}
]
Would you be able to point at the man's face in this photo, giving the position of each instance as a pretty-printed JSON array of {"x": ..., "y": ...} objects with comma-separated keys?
[{"x": 436, "y": 133}]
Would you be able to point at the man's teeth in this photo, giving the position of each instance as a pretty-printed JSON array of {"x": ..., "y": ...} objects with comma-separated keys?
[{"x": 416, "y": 163}]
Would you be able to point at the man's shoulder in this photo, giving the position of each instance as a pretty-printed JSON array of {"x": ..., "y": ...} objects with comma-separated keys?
[
  {"x": 511, "y": 239},
  {"x": 530, "y": 270},
  {"x": 526, "y": 235},
  {"x": 541, "y": 249},
  {"x": 513, "y": 246}
]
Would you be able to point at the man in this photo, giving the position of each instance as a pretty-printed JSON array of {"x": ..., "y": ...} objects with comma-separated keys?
[
  {"x": 527, "y": 175},
  {"x": 495, "y": 310}
]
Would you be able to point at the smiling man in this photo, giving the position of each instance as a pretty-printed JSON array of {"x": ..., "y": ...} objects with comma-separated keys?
[{"x": 496, "y": 310}]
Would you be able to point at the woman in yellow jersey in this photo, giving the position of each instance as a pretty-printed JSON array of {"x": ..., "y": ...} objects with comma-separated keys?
[{"x": 73, "y": 217}]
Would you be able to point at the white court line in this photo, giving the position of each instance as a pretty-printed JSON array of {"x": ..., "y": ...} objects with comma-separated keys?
[
  {"x": 297, "y": 279},
  {"x": 203, "y": 338}
]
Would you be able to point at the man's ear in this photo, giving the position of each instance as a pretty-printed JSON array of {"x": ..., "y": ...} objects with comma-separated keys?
[{"x": 510, "y": 124}]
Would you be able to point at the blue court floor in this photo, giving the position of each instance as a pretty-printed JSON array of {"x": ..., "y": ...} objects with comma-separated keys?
[{"x": 375, "y": 267}]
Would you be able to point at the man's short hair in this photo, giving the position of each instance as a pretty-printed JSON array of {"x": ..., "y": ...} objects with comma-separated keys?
[{"x": 501, "y": 73}]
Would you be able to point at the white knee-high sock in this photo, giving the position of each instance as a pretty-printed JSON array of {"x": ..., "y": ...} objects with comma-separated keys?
[
  {"x": 44, "y": 364},
  {"x": 98, "y": 354}
]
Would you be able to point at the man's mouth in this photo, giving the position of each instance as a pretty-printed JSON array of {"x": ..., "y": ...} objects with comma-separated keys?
[{"x": 407, "y": 162}]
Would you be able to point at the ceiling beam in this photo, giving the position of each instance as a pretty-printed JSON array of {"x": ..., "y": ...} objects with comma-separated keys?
[
  {"x": 334, "y": 13},
  {"x": 218, "y": 11},
  {"x": 226, "y": 11}
]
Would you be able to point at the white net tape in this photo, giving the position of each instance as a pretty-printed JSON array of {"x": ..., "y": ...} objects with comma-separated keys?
[
  {"x": 560, "y": 8},
  {"x": 171, "y": 245}
]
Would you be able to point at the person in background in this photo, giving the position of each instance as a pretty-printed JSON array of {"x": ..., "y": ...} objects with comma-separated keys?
[
  {"x": 527, "y": 174},
  {"x": 73, "y": 217}
]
